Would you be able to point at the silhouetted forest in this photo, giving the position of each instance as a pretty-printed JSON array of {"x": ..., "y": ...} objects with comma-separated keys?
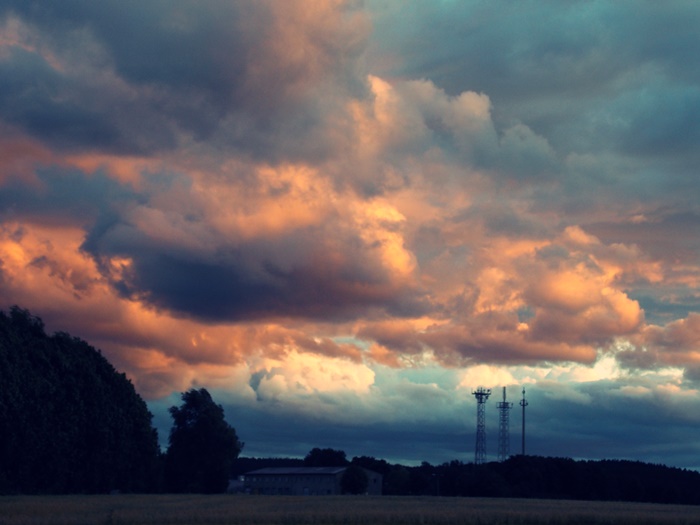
[
  {"x": 524, "y": 477},
  {"x": 70, "y": 423}
]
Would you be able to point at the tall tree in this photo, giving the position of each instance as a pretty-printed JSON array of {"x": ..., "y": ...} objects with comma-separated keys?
[
  {"x": 202, "y": 445},
  {"x": 69, "y": 422}
]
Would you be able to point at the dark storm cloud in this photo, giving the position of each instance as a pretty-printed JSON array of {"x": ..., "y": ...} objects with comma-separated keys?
[
  {"x": 269, "y": 432},
  {"x": 658, "y": 120},
  {"x": 64, "y": 196},
  {"x": 132, "y": 78},
  {"x": 251, "y": 280},
  {"x": 46, "y": 105},
  {"x": 184, "y": 46},
  {"x": 599, "y": 420},
  {"x": 586, "y": 421},
  {"x": 557, "y": 67},
  {"x": 493, "y": 48},
  {"x": 284, "y": 436},
  {"x": 72, "y": 115}
]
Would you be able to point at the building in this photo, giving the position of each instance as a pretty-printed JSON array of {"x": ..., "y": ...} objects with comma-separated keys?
[{"x": 302, "y": 481}]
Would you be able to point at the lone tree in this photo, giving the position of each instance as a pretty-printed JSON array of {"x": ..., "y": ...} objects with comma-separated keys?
[
  {"x": 354, "y": 480},
  {"x": 202, "y": 446}
]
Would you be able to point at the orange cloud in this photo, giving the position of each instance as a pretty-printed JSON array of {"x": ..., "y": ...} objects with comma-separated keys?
[
  {"x": 303, "y": 43},
  {"x": 677, "y": 343},
  {"x": 44, "y": 267},
  {"x": 19, "y": 158},
  {"x": 264, "y": 201},
  {"x": 125, "y": 169}
]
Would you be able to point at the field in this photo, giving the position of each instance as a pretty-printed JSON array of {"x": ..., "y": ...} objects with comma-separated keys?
[{"x": 328, "y": 510}]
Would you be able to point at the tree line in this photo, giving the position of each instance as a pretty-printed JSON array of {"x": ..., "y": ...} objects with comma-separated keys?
[
  {"x": 517, "y": 477},
  {"x": 70, "y": 423},
  {"x": 543, "y": 478}
]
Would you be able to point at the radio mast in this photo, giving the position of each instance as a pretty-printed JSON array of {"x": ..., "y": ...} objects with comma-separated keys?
[
  {"x": 523, "y": 404},
  {"x": 481, "y": 395},
  {"x": 504, "y": 428}
]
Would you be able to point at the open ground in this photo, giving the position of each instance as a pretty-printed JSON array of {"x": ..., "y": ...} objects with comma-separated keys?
[{"x": 328, "y": 510}]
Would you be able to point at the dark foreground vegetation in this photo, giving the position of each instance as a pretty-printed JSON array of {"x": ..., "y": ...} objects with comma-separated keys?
[
  {"x": 70, "y": 423},
  {"x": 330, "y": 510}
]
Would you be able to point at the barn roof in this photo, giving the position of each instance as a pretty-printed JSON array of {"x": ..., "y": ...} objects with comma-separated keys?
[{"x": 289, "y": 471}]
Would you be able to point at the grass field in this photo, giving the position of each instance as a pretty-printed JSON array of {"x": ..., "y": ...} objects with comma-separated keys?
[{"x": 327, "y": 510}]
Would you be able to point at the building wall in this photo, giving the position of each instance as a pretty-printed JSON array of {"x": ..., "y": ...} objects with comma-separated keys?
[
  {"x": 294, "y": 484},
  {"x": 374, "y": 483},
  {"x": 286, "y": 482}
]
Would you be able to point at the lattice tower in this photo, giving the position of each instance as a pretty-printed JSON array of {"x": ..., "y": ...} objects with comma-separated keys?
[
  {"x": 504, "y": 428},
  {"x": 481, "y": 395}
]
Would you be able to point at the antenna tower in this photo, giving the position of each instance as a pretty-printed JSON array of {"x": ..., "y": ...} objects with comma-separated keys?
[
  {"x": 481, "y": 395},
  {"x": 504, "y": 428},
  {"x": 523, "y": 404}
]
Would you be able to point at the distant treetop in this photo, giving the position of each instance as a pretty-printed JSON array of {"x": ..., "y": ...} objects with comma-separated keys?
[{"x": 325, "y": 457}]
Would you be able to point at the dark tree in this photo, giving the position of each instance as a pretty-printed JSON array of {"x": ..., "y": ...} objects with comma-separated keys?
[
  {"x": 325, "y": 457},
  {"x": 354, "y": 480},
  {"x": 69, "y": 422},
  {"x": 396, "y": 481},
  {"x": 421, "y": 479},
  {"x": 202, "y": 446},
  {"x": 370, "y": 463}
]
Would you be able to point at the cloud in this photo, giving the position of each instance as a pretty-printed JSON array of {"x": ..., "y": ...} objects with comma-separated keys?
[
  {"x": 675, "y": 343},
  {"x": 184, "y": 72},
  {"x": 486, "y": 376},
  {"x": 311, "y": 382},
  {"x": 234, "y": 252}
]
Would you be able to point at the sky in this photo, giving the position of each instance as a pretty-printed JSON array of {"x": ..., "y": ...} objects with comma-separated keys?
[{"x": 342, "y": 217}]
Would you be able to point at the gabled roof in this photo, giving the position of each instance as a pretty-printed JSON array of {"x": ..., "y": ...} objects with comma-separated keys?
[{"x": 296, "y": 471}]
